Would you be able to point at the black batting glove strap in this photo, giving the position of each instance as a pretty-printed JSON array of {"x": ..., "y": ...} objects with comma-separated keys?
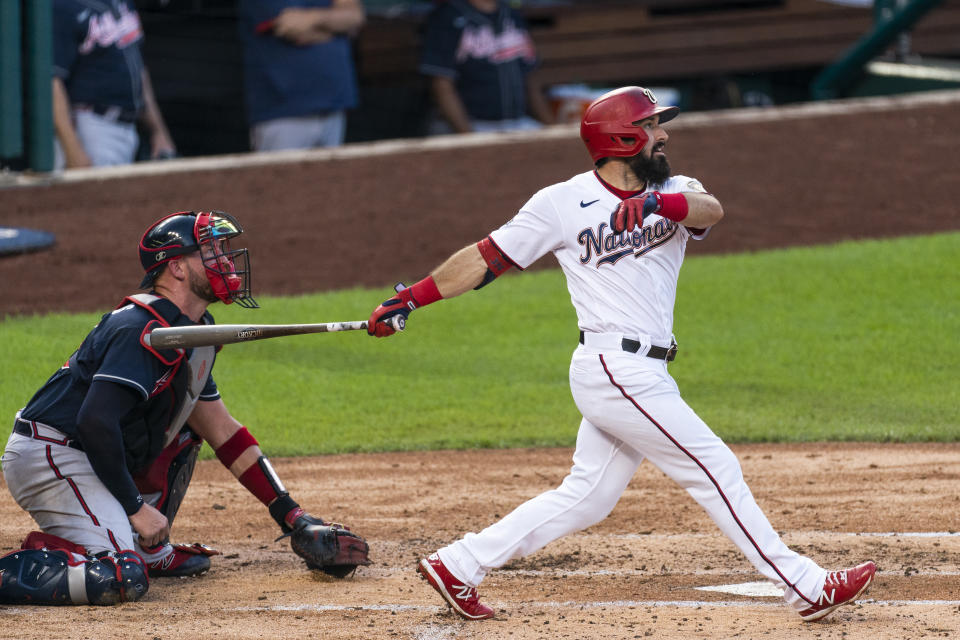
[{"x": 279, "y": 509}]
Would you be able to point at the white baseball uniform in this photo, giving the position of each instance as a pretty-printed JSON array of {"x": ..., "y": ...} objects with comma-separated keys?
[{"x": 623, "y": 286}]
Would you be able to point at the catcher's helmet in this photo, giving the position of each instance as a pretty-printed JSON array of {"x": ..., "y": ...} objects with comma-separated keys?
[
  {"x": 610, "y": 124},
  {"x": 187, "y": 231}
]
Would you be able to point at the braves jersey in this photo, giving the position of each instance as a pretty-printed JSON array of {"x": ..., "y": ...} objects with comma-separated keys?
[
  {"x": 114, "y": 352},
  {"x": 96, "y": 51},
  {"x": 618, "y": 283},
  {"x": 487, "y": 55}
]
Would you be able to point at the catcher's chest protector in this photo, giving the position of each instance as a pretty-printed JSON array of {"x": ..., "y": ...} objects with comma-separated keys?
[{"x": 198, "y": 368}]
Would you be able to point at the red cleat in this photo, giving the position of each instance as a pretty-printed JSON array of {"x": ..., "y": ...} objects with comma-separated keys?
[
  {"x": 184, "y": 561},
  {"x": 841, "y": 587},
  {"x": 462, "y": 598}
]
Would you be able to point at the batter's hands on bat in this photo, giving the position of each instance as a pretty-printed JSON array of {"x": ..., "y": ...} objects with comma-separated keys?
[
  {"x": 391, "y": 315},
  {"x": 152, "y": 526},
  {"x": 633, "y": 211}
]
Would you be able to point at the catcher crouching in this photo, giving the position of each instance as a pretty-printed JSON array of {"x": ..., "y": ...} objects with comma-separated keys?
[{"x": 103, "y": 453}]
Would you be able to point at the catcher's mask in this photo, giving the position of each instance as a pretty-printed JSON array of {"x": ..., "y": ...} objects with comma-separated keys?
[
  {"x": 611, "y": 124},
  {"x": 209, "y": 232}
]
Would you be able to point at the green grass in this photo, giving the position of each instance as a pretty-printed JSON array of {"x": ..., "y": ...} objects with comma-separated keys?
[{"x": 855, "y": 341}]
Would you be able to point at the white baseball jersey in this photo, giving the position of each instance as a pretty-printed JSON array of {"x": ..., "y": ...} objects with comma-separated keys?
[
  {"x": 623, "y": 286},
  {"x": 619, "y": 283}
]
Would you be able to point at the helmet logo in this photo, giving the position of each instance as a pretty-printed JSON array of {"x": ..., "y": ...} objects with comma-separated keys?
[
  {"x": 160, "y": 256},
  {"x": 650, "y": 95}
]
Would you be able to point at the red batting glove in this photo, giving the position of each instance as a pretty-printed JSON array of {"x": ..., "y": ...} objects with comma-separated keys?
[
  {"x": 399, "y": 305},
  {"x": 633, "y": 211},
  {"x": 392, "y": 314}
]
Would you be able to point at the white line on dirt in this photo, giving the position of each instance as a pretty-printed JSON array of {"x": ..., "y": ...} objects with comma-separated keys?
[
  {"x": 647, "y": 574},
  {"x": 751, "y": 589},
  {"x": 850, "y": 534},
  {"x": 719, "y": 572},
  {"x": 613, "y": 604},
  {"x": 434, "y": 633}
]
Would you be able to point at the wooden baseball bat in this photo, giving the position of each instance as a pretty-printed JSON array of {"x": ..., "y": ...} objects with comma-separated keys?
[{"x": 218, "y": 334}]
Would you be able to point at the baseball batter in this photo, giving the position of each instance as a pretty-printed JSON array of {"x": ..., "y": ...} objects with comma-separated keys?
[
  {"x": 619, "y": 233},
  {"x": 102, "y": 455}
]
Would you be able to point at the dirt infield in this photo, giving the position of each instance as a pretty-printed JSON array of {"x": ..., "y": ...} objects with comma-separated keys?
[
  {"x": 347, "y": 221},
  {"x": 638, "y": 574}
]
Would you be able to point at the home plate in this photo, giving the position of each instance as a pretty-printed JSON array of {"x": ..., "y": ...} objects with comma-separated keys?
[{"x": 752, "y": 589}]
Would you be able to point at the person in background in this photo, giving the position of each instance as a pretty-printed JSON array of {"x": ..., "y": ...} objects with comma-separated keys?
[
  {"x": 101, "y": 88},
  {"x": 299, "y": 76},
  {"x": 480, "y": 60}
]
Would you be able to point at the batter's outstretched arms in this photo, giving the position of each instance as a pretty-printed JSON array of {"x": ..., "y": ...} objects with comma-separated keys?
[{"x": 474, "y": 266}]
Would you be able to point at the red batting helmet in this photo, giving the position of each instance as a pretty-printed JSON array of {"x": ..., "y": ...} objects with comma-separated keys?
[
  {"x": 177, "y": 234},
  {"x": 610, "y": 124}
]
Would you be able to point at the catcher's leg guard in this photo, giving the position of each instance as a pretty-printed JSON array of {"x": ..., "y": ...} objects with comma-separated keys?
[
  {"x": 44, "y": 576},
  {"x": 169, "y": 475},
  {"x": 117, "y": 577}
]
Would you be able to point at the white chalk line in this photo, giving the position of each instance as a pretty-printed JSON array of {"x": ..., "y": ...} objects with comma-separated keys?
[
  {"x": 826, "y": 108},
  {"x": 631, "y": 573},
  {"x": 613, "y": 604},
  {"x": 847, "y": 534}
]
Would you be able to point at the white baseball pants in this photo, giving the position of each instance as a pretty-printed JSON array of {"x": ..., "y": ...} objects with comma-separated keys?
[{"x": 633, "y": 410}]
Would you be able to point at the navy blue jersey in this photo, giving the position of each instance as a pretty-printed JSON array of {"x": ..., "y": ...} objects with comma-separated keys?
[
  {"x": 487, "y": 55},
  {"x": 96, "y": 52},
  {"x": 285, "y": 80},
  {"x": 114, "y": 352}
]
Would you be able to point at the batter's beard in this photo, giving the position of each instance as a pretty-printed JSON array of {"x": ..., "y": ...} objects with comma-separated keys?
[{"x": 651, "y": 171}]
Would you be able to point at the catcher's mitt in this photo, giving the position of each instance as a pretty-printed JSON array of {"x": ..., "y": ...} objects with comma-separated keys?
[{"x": 331, "y": 548}]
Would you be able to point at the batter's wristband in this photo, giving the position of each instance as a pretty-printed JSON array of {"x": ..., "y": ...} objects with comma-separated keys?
[
  {"x": 673, "y": 206},
  {"x": 233, "y": 448},
  {"x": 425, "y": 292}
]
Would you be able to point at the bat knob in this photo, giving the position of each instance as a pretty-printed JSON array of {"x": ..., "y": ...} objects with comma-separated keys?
[{"x": 399, "y": 323}]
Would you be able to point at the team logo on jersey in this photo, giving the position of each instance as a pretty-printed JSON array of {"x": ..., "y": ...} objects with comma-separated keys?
[
  {"x": 609, "y": 247},
  {"x": 483, "y": 43},
  {"x": 106, "y": 30}
]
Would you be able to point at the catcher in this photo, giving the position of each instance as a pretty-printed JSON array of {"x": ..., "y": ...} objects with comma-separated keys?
[{"x": 102, "y": 455}]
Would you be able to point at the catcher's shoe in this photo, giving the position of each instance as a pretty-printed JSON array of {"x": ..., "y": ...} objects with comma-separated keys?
[
  {"x": 184, "y": 561},
  {"x": 462, "y": 598},
  {"x": 841, "y": 587}
]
